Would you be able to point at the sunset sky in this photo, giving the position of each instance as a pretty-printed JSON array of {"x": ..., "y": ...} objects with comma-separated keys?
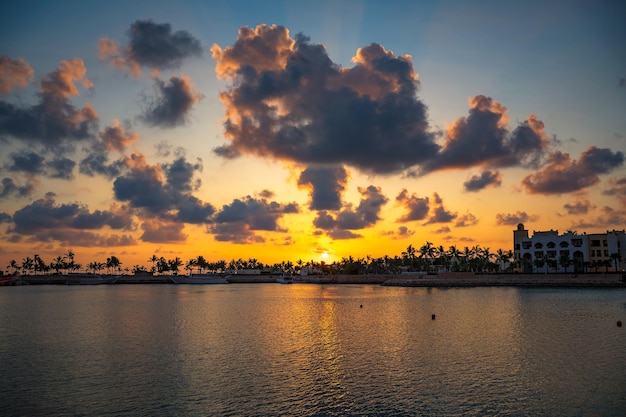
[{"x": 286, "y": 130}]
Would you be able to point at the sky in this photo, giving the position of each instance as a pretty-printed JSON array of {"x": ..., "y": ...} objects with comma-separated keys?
[{"x": 283, "y": 130}]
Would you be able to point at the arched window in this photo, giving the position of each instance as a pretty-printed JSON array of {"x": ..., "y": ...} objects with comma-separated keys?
[
  {"x": 564, "y": 244},
  {"x": 538, "y": 245},
  {"x": 551, "y": 245}
]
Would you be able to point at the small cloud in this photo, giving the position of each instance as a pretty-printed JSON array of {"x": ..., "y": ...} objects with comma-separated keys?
[
  {"x": 510, "y": 219},
  {"x": 14, "y": 73},
  {"x": 173, "y": 102},
  {"x": 486, "y": 179},
  {"x": 466, "y": 220},
  {"x": 580, "y": 206},
  {"x": 152, "y": 45},
  {"x": 439, "y": 213},
  {"x": 417, "y": 207}
]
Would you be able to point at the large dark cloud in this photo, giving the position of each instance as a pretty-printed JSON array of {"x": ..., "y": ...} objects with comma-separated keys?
[
  {"x": 486, "y": 179},
  {"x": 151, "y": 45},
  {"x": 289, "y": 101},
  {"x": 14, "y": 73},
  {"x": 237, "y": 222},
  {"x": 173, "y": 102},
  {"x": 563, "y": 174},
  {"x": 482, "y": 139},
  {"x": 8, "y": 188},
  {"x": 326, "y": 186},
  {"x": 342, "y": 224},
  {"x": 45, "y": 220},
  {"x": 163, "y": 191},
  {"x": 53, "y": 122}
]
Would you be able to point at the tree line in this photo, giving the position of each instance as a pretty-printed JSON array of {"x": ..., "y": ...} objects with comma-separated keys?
[{"x": 426, "y": 258}]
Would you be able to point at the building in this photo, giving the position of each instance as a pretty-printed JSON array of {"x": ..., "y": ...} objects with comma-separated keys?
[{"x": 569, "y": 252}]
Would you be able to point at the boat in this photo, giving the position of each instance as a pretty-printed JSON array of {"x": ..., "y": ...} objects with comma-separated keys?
[
  {"x": 200, "y": 279},
  {"x": 90, "y": 279},
  {"x": 284, "y": 279}
]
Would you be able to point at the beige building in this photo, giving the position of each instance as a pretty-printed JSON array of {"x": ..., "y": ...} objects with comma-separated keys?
[{"x": 569, "y": 252}]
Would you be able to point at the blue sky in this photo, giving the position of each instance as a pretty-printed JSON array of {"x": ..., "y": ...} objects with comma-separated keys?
[{"x": 562, "y": 61}]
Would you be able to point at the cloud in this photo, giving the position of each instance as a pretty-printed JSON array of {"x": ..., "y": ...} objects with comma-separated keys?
[
  {"x": 237, "y": 222},
  {"x": 610, "y": 218},
  {"x": 403, "y": 232},
  {"x": 417, "y": 208},
  {"x": 162, "y": 231},
  {"x": 44, "y": 220},
  {"x": 14, "y": 73},
  {"x": 290, "y": 102},
  {"x": 580, "y": 206},
  {"x": 53, "y": 121},
  {"x": 366, "y": 214},
  {"x": 563, "y": 174},
  {"x": 9, "y": 189},
  {"x": 152, "y": 45},
  {"x": 466, "y": 220},
  {"x": 33, "y": 163},
  {"x": 326, "y": 186},
  {"x": 97, "y": 163},
  {"x": 617, "y": 188},
  {"x": 515, "y": 218},
  {"x": 172, "y": 103},
  {"x": 439, "y": 213},
  {"x": 486, "y": 179},
  {"x": 116, "y": 138},
  {"x": 482, "y": 139},
  {"x": 163, "y": 191}
]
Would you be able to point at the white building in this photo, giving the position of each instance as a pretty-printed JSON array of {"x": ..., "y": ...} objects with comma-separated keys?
[{"x": 569, "y": 252}]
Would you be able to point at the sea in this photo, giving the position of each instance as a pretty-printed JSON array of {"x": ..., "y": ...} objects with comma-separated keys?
[{"x": 311, "y": 350}]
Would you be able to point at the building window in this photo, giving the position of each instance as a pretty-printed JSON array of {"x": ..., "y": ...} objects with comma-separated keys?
[
  {"x": 606, "y": 252},
  {"x": 538, "y": 254},
  {"x": 577, "y": 243},
  {"x": 564, "y": 253},
  {"x": 526, "y": 245},
  {"x": 551, "y": 254},
  {"x": 538, "y": 245},
  {"x": 564, "y": 244},
  {"x": 551, "y": 245},
  {"x": 595, "y": 243},
  {"x": 604, "y": 243}
]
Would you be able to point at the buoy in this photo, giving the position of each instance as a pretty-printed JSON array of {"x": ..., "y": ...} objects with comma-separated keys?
[
  {"x": 619, "y": 323},
  {"x": 433, "y": 317}
]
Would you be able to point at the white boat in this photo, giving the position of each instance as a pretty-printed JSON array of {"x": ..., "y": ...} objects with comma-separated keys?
[
  {"x": 90, "y": 279},
  {"x": 284, "y": 279},
  {"x": 200, "y": 279}
]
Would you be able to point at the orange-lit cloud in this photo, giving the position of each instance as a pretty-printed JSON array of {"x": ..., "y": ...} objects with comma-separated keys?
[
  {"x": 14, "y": 73},
  {"x": 265, "y": 48},
  {"x": 115, "y": 138},
  {"x": 563, "y": 174}
]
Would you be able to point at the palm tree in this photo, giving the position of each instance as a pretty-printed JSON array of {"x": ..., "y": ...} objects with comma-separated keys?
[
  {"x": 154, "y": 260},
  {"x": 617, "y": 259},
  {"x": 13, "y": 265},
  {"x": 427, "y": 252},
  {"x": 565, "y": 261}
]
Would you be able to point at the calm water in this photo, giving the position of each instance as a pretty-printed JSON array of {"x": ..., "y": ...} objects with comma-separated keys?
[{"x": 270, "y": 349}]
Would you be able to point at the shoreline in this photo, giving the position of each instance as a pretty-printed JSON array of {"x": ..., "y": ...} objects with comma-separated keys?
[{"x": 441, "y": 280}]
